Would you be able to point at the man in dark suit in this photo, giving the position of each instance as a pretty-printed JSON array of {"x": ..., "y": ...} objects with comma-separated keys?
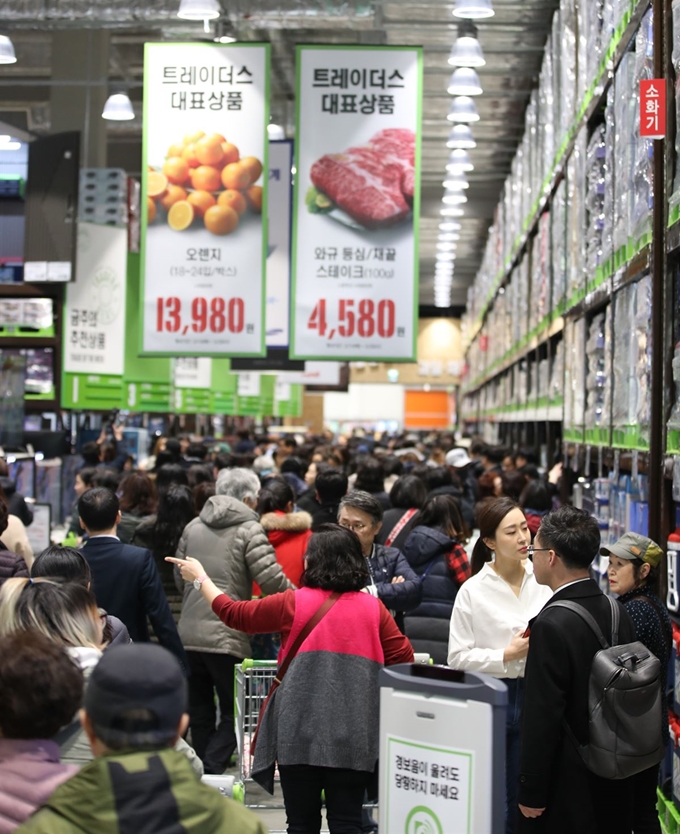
[
  {"x": 557, "y": 793},
  {"x": 125, "y": 580}
]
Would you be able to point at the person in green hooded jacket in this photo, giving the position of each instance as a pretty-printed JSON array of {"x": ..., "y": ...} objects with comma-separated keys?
[{"x": 134, "y": 711}]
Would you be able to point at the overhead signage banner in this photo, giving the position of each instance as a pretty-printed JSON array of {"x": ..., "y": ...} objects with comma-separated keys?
[
  {"x": 204, "y": 199},
  {"x": 278, "y": 259},
  {"x": 94, "y": 319},
  {"x": 357, "y": 203}
]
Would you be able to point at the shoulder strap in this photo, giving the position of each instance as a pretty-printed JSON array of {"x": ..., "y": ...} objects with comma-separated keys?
[
  {"x": 306, "y": 630},
  {"x": 399, "y": 526},
  {"x": 586, "y": 616}
]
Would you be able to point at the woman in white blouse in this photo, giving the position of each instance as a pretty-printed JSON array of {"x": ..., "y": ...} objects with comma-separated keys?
[{"x": 491, "y": 614}]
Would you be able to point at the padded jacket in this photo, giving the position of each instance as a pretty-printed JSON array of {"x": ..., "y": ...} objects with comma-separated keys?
[
  {"x": 228, "y": 540},
  {"x": 289, "y": 533},
  {"x": 11, "y": 564},
  {"x": 387, "y": 562},
  {"x": 428, "y": 626}
]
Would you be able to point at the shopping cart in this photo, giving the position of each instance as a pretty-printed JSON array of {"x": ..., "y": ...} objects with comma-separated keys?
[{"x": 252, "y": 683}]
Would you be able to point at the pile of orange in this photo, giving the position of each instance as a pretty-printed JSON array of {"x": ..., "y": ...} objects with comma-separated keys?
[{"x": 204, "y": 177}]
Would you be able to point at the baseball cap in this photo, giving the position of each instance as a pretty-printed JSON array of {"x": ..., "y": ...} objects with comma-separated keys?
[
  {"x": 458, "y": 458},
  {"x": 634, "y": 546},
  {"x": 137, "y": 676}
]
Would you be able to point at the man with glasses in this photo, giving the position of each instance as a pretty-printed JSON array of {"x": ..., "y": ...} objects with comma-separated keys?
[
  {"x": 228, "y": 539},
  {"x": 557, "y": 793}
]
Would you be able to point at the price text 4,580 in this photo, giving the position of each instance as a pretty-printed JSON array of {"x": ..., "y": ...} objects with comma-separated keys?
[
  {"x": 200, "y": 315},
  {"x": 365, "y": 318}
]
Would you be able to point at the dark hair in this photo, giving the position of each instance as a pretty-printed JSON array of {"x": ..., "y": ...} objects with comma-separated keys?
[
  {"x": 109, "y": 451},
  {"x": 169, "y": 474},
  {"x": 573, "y": 534},
  {"x": 335, "y": 561},
  {"x": 420, "y": 470},
  {"x": 477, "y": 447},
  {"x": 331, "y": 484},
  {"x": 653, "y": 579},
  {"x": 41, "y": 688},
  {"x": 138, "y": 494},
  {"x": 66, "y": 563},
  {"x": 4, "y": 513},
  {"x": 199, "y": 473},
  {"x": 197, "y": 450},
  {"x": 370, "y": 476},
  {"x": 436, "y": 477},
  {"x": 442, "y": 512},
  {"x": 392, "y": 466},
  {"x": 87, "y": 475},
  {"x": 495, "y": 454},
  {"x": 295, "y": 465},
  {"x": 527, "y": 454},
  {"x": 488, "y": 522},
  {"x": 98, "y": 509},
  {"x": 107, "y": 477},
  {"x": 136, "y": 728},
  {"x": 530, "y": 471},
  {"x": 289, "y": 441},
  {"x": 536, "y": 496},
  {"x": 201, "y": 493},
  {"x": 175, "y": 511},
  {"x": 487, "y": 485},
  {"x": 90, "y": 453},
  {"x": 224, "y": 461},
  {"x": 365, "y": 502},
  {"x": 275, "y": 494},
  {"x": 174, "y": 448},
  {"x": 513, "y": 483},
  {"x": 408, "y": 493}
]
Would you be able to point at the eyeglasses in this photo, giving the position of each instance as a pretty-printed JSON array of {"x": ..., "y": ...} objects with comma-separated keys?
[
  {"x": 357, "y": 527},
  {"x": 531, "y": 550}
]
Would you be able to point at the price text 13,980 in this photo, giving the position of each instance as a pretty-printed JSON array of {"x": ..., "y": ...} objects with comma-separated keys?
[
  {"x": 365, "y": 318},
  {"x": 214, "y": 315}
]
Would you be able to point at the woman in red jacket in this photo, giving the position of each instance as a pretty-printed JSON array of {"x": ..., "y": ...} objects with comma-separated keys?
[
  {"x": 319, "y": 742},
  {"x": 288, "y": 532}
]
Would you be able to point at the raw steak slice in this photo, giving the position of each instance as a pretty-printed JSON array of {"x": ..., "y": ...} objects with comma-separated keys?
[
  {"x": 398, "y": 146},
  {"x": 364, "y": 185}
]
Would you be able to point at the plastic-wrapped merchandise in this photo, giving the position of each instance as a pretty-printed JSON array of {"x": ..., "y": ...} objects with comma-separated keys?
[
  {"x": 574, "y": 374},
  {"x": 556, "y": 48},
  {"x": 643, "y": 149},
  {"x": 533, "y": 168},
  {"x": 568, "y": 69},
  {"x": 607, "y": 237},
  {"x": 596, "y": 373},
  {"x": 624, "y": 143},
  {"x": 523, "y": 289},
  {"x": 544, "y": 287},
  {"x": 624, "y": 397},
  {"x": 594, "y": 19},
  {"x": 674, "y": 420},
  {"x": 556, "y": 384},
  {"x": 546, "y": 110},
  {"x": 576, "y": 216},
  {"x": 675, "y": 57},
  {"x": 558, "y": 234},
  {"x": 643, "y": 365},
  {"x": 595, "y": 179}
]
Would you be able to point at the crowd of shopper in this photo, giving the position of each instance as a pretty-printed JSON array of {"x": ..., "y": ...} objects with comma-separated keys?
[{"x": 336, "y": 558}]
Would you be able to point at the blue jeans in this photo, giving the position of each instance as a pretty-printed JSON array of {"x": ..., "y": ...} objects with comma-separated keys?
[{"x": 512, "y": 736}]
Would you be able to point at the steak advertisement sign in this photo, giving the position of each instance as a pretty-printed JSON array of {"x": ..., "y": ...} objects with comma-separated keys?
[
  {"x": 357, "y": 201},
  {"x": 204, "y": 199}
]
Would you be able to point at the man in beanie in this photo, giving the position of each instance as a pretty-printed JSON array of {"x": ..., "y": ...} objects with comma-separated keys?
[{"x": 135, "y": 709}]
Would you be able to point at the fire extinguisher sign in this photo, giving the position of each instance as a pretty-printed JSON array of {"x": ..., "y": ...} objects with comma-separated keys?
[{"x": 653, "y": 108}]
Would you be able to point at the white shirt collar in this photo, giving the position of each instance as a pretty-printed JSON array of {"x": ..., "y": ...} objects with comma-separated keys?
[
  {"x": 562, "y": 587},
  {"x": 104, "y": 536}
]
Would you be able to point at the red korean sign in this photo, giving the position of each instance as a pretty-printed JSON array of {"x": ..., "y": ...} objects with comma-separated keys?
[{"x": 653, "y": 108}]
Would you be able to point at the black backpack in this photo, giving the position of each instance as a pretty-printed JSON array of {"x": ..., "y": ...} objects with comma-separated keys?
[{"x": 624, "y": 703}]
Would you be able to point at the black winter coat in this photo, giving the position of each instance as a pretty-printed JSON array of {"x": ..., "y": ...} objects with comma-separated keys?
[
  {"x": 385, "y": 564},
  {"x": 428, "y": 626},
  {"x": 11, "y": 564},
  {"x": 16, "y": 503}
]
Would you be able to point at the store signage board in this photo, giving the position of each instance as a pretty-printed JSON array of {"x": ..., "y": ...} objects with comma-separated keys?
[
  {"x": 204, "y": 199},
  {"x": 315, "y": 373},
  {"x": 193, "y": 372},
  {"x": 277, "y": 310},
  {"x": 356, "y": 203},
  {"x": 653, "y": 108},
  {"x": 94, "y": 315}
]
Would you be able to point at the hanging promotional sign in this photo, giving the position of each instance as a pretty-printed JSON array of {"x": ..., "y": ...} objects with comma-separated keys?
[
  {"x": 204, "y": 199},
  {"x": 278, "y": 258},
  {"x": 94, "y": 316},
  {"x": 357, "y": 202}
]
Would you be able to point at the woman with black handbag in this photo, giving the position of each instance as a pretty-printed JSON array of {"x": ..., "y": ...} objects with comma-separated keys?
[{"x": 321, "y": 719}]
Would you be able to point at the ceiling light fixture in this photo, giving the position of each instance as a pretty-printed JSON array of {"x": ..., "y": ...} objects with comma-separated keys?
[
  {"x": 451, "y": 211},
  {"x": 461, "y": 138},
  {"x": 449, "y": 237},
  {"x": 463, "y": 110},
  {"x": 454, "y": 198},
  {"x": 456, "y": 182},
  {"x": 118, "y": 108},
  {"x": 199, "y": 9},
  {"x": 473, "y": 9},
  {"x": 446, "y": 257},
  {"x": 450, "y": 226},
  {"x": 446, "y": 247},
  {"x": 7, "y": 54},
  {"x": 459, "y": 162},
  {"x": 466, "y": 50},
  {"x": 464, "y": 82},
  {"x": 275, "y": 132}
]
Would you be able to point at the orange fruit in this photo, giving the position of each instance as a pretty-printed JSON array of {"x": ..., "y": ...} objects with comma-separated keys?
[
  {"x": 176, "y": 170},
  {"x": 192, "y": 138},
  {"x": 216, "y": 137},
  {"x": 235, "y": 176},
  {"x": 201, "y": 201},
  {"x": 150, "y": 210},
  {"x": 175, "y": 150},
  {"x": 253, "y": 166},
  {"x": 156, "y": 183},
  {"x": 220, "y": 220},
  {"x": 254, "y": 195},
  {"x": 173, "y": 195},
  {"x": 209, "y": 151},
  {"x": 230, "y": 153},
  {"x": 205, "y": 178},
  {"x": 189, "y": 156},
  {"x": 234, "y": 200},
  {"x": 181, "y": 215}
]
